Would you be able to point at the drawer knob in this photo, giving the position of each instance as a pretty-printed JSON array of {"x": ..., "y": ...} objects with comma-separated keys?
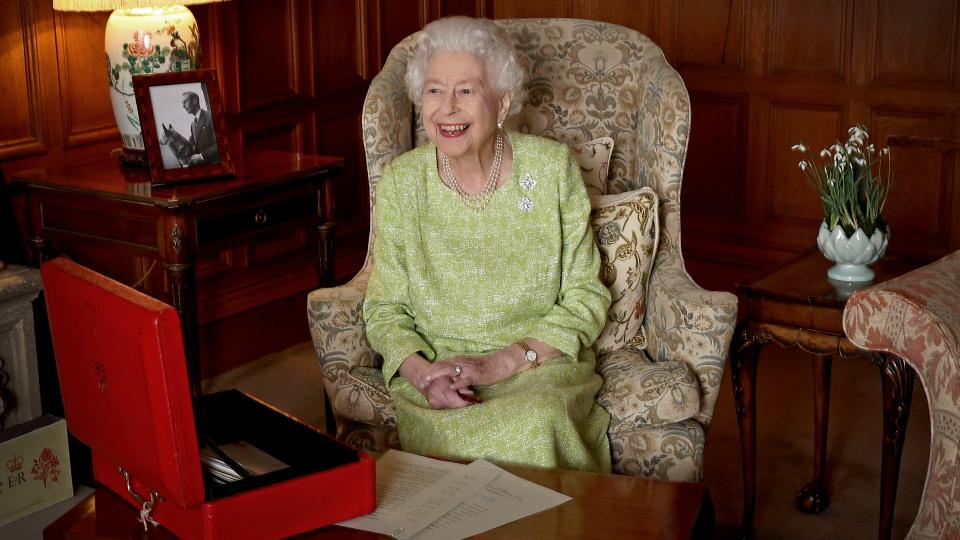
[{"x": 260, "y": 218}]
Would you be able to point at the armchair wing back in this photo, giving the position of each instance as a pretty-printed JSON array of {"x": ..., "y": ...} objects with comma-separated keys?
[
  {"x": 587, "y": 79},
  {"x": 917, "y": 317}
]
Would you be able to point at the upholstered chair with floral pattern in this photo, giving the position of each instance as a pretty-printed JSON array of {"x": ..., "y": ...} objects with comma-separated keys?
[
  {"x": 587, "y": 80},
  {"x": 917, "y": 318}
]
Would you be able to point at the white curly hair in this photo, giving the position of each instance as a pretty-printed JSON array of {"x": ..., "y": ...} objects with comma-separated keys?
[{"x": 479, "y": 37}]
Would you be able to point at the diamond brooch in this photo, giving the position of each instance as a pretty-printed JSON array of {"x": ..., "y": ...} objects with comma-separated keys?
[
  {"x": 525, "y": 204},
  {"x": 527, "y": 181}
]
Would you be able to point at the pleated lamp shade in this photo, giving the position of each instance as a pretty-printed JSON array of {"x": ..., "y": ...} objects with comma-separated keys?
[{"x": 110, "y": 5}]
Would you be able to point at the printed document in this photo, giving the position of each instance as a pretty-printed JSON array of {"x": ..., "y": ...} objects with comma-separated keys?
[{"x": 429, "y": 499}]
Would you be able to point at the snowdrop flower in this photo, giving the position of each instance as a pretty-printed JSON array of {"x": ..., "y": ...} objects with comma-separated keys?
[
  {"x": 830, "y": 182},
  {"x": 824, "y": 153},
  {"x": 860, "y": 161},
  {"x": 870, "y": 148},
  {"x": 798, "y": 148},
  {"x": 885, "y": 151},
  {"x": 803, "y": 165}
]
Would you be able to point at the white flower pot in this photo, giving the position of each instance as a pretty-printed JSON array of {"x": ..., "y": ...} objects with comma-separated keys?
[{"x": 852, "y": 254}]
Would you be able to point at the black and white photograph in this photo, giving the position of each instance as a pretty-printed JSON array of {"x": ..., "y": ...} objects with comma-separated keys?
[
  {"x": 184, "y": 125},
  {"x": 183, "y": 132}
]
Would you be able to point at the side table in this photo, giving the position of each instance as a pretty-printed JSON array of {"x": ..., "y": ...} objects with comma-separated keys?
[
  {"x": 796, "y": 305},
  {"x": 235, "y": 256}
]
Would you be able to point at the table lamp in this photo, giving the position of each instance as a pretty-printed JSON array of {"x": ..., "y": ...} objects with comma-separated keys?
[{"x": 142, "y": 37}]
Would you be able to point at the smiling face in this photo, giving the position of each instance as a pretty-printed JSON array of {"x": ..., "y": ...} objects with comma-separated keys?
[{"x": 459, "y": 108}]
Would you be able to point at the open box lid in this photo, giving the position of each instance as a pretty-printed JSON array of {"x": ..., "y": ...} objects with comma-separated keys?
[{"x": 123, "y": 377}]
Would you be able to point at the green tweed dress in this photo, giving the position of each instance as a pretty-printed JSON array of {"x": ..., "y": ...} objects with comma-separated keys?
[{"x": 451, "y": 281}]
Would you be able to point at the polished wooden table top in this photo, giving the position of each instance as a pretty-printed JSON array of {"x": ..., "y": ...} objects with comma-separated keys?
[
  {"x": 104, "y": 177},
  {"x": 603, "y": 506},
  {"x": 803, "y": 279}
]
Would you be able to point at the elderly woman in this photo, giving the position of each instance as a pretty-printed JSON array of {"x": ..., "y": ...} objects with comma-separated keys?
[{"x": 485, "y": 297}]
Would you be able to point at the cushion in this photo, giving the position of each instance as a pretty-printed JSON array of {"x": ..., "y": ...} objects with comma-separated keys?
[
  {"x": 639, "y": 393},
  {"x": 627, "y": 230},
  {"x": 594, "y": 159}
]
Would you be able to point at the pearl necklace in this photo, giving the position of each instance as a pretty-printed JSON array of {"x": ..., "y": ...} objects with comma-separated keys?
[{"x": 480, "y": 200}]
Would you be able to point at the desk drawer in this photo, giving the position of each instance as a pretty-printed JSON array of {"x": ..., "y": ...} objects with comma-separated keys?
[{"x": 213, "y": 229}]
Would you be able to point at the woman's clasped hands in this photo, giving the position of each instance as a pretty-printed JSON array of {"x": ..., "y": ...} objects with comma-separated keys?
[{"x": 448, "y": 384}]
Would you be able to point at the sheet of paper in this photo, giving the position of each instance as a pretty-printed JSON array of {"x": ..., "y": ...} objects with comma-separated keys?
[
  {"x": 413, "y": 491},
  {"x": 507, "y": 498}
]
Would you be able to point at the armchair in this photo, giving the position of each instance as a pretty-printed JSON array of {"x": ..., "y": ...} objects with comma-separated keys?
[
  {"x": 587, "y": 80},
  {"x": 917, "y": 318}
]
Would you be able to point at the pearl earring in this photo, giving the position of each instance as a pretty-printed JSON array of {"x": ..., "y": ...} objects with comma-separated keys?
[{"x": 500, "y": 124}]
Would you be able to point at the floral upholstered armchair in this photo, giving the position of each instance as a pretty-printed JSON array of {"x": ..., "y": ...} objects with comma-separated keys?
[
  {"x": 917, "y": 318},
  {"x": 587, "y": 80}
]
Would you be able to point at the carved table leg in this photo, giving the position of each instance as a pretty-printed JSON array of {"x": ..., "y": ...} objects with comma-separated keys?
[
  {"x": 897, "y": 382},
  {"x": 325, "y": 253},
  {"x": 743, "y": 364},
  {"x": 813, "y": 497},
  {"x": 39, "y": 251},
  {"x": 183, "y": 298}
]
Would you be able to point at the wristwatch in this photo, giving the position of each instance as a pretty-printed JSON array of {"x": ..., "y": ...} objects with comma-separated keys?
[{"x": 529, "y": 354}]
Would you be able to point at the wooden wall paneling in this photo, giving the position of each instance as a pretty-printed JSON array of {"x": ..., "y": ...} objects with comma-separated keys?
[
  {"x": 916, "y": 46},
  {"x": 448, "y": 8},
  {"x": 86, "y": 110},
  {"x": 714, "y": 178},
  {"x": 268, "y": 71},
  {"x": 952, "y": 172},
  {"x": 514, "y": 9},
  {"x": 340, "y": 135},
  {"x": 22, "y": 129},
  {"x": 209, "y": 25},
  {"x": 920, "y": 207},
  {"x": 789, "y": 196},
  {"x": 712, "y": 34},
  {"x": 274, "y": 137},
  {"x": 398, "y": 19},
  {"x": 270, "y": 52},
  {"x": 342, "y": 43},
  {"x": 641, "y": 15},
  {"x": 825, "y": 30},
  {"x": 225, "y": 40},
  {"x": 214, "y": 54}
]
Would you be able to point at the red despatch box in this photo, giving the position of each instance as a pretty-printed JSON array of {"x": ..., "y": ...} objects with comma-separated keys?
[{"x": 123, "y": 377}]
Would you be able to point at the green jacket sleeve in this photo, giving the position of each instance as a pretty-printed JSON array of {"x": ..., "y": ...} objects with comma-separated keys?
[
  {"x": 386, "y": 308},
  {"x": 578, "y": 316}
]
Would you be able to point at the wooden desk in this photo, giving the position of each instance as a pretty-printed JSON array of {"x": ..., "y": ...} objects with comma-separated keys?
[
  {"x": 796, "y": 305},
  {"x": 603, "y": 507},
  {"x": 234, "y": 256}
]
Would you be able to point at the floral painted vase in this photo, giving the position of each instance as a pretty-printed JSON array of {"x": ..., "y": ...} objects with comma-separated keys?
[
  {"x": 853, "y": 254},
  {"x": 141, "y": 41}
]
